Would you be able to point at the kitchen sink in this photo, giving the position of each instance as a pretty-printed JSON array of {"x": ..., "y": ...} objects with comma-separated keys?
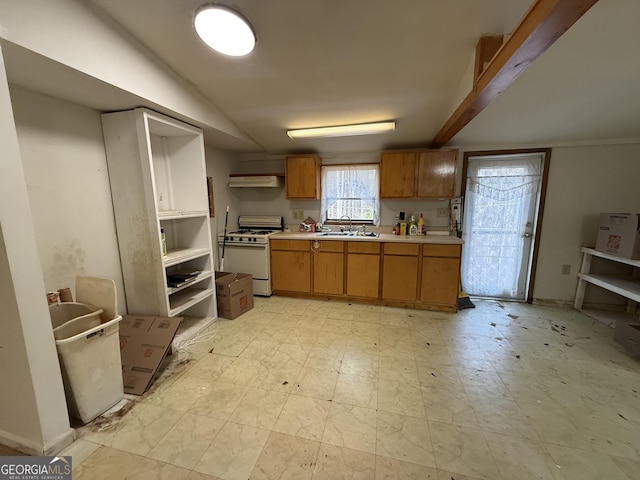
[{"x": 347, "y": 234}]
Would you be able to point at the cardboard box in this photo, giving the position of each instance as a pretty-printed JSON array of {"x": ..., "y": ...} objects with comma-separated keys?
[
  {"x": 619, "y": 234},
  {"x": 627, "y": 334},
  {"x": 144, "y": 342},
  {"x": 234, "y": 292}
]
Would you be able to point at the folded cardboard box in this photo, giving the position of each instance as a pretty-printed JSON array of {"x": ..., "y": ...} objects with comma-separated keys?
[
  {"x": 619, "y": 235},
  {"x": 234, "y": 292},
  {"x": 144, "y": 342}
]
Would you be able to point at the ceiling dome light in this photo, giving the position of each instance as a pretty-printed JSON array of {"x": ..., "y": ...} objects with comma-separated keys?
[{"x": 224, "y": 30}]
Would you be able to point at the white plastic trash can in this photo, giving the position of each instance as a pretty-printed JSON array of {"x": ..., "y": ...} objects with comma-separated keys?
[
  {"x": 71, "y": 318},
  {"x": 89, "y": 353},
  {"x": 61, "y": 313}
]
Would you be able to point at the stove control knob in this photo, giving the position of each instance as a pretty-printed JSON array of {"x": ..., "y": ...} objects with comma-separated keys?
[{"x": 241, "y": 239}]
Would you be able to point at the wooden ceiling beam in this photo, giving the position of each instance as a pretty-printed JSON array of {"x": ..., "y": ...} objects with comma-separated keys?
[{"x": 541, "y": 26}]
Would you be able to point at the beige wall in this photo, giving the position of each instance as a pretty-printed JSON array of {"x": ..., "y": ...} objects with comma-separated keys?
[
  {"x": 219, "y": 164},
  {"x": 273, "y": 201},
  {"x": 584, "y": 181},
  {"x": 33, "y": 412},
  {"x": 68, "y": 185}
]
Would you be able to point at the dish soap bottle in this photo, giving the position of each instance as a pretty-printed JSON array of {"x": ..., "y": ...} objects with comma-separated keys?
[
  {"x": 413, "y": 226},
  {"x": 422, "y": 229}
]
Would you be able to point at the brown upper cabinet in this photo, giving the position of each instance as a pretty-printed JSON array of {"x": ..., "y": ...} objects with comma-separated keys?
[
  {"x": 421, "y": 174},
  {"x": 302, "y": 176},
  {"x": 397, "y": 175},
  {"x": 437, "y": 174}
]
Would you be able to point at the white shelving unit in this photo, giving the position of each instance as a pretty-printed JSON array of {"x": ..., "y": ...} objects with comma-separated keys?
[
  {"x": 158, "y": 183},
  {"x": 626, "y": 286}
]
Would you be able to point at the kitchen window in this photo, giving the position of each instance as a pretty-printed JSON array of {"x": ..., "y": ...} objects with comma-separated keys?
[{"x": 352, "y": 191}]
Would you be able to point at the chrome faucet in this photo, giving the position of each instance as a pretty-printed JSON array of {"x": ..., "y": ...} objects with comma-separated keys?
[{"x": 348, "y": 218}]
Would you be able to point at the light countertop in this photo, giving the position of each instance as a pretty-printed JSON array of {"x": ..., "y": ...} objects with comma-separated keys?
[{"x": 383, "y": 237}]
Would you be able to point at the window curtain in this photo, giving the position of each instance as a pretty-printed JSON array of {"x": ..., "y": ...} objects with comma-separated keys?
[
  {"x": 500, "y": 195},
  {"x": 350, "y": 190}
]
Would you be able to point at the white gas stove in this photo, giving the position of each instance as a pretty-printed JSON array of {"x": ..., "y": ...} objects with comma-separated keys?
[
  {"x": 246, "y": 250},
  {"x": 245, "y": 235}
]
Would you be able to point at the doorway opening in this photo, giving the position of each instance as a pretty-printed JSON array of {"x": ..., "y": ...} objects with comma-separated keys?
[{"x": 503, "y": 205}]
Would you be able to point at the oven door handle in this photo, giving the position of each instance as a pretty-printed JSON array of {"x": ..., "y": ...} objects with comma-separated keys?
[{"x": 244, "y": 245}]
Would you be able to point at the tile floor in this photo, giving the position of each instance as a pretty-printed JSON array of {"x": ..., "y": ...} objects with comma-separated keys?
[{"x": 300, "y": 389}]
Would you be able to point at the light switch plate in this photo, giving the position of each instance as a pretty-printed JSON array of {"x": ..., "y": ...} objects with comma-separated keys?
[
  {"x": 297, "y": 214},
  {"x": 443, "y": 212}
]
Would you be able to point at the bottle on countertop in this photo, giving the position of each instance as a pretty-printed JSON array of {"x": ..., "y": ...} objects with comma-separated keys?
[
  {"x": 413, "y": 226},
  {"x": 402, "y": 224},
  {"x": 422, "y": 229},
  {"x": 396, "y": 225}
]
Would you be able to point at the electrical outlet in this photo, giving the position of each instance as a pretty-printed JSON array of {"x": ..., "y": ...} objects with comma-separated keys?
[
  {"x": 443, "y": 212},
  {"x": 297, "y": 214},
  {"x": 566, "y": 269}
]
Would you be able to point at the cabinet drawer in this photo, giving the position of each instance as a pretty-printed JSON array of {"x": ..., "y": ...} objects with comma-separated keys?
[
  {"x": 299, "y": 245},
  {"x": 401, "y": 249},
  {"x": 441, "y": 250},
  {"x": 363, "y": 247},
  {"x": 328, "y": 246}
]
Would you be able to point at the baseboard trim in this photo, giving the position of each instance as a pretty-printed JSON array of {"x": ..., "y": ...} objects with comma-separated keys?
[
  {"x": 33, "y": 448},
  {"x": 569, "y": 303}
]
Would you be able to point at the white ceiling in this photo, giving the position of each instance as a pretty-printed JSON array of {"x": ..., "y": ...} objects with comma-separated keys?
[
  {"x": 328, "y": 62},
  {"x": 585, "y": 88}
]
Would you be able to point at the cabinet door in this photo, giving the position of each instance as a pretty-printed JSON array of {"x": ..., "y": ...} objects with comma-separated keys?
[
  {"x": 440, "y": 279},
  {"x": 363, "y": 275},
  {"x": 328, "y": 273},
  {"x": 399, "y": 277},
  {"x": 302, "y": 177},
  {"x": 291, "y": 271},
  {"x": 397, "y": 175},
  {"x": 437, "y": 174}
]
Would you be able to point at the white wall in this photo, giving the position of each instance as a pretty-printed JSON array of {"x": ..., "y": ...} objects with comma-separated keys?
[
  {"x": 219, "y": 164},
  {"x": 33, "y": 414},
  {"x": 584, "y": 181},
  {"x": 273, "y": 201},
  {"x": 68, "y": 184}
]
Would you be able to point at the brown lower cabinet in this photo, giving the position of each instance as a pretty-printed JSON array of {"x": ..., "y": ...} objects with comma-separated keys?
[
  {"x": 400, "y": 271},
  {"x": 363, "y": 269},
  {"x": 440, "y": 271},
  {"x": 328, "y": 267},
  {"x": 393, "y": 273},
  {"x": 291, "y": 266}
]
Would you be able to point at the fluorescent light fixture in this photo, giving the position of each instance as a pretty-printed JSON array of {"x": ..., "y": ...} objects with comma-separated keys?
[
  {"x": 224, "y": 30},
  {"x": 343, "y": 130}
]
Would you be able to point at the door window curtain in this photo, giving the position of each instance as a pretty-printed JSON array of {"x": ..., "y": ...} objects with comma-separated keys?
[
  {"x": 498, "y": 198},
  {"x": 351, "y": 190}
]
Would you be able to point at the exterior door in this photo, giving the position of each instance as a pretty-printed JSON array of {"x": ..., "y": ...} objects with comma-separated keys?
[{"x": 501, "y": 211}]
